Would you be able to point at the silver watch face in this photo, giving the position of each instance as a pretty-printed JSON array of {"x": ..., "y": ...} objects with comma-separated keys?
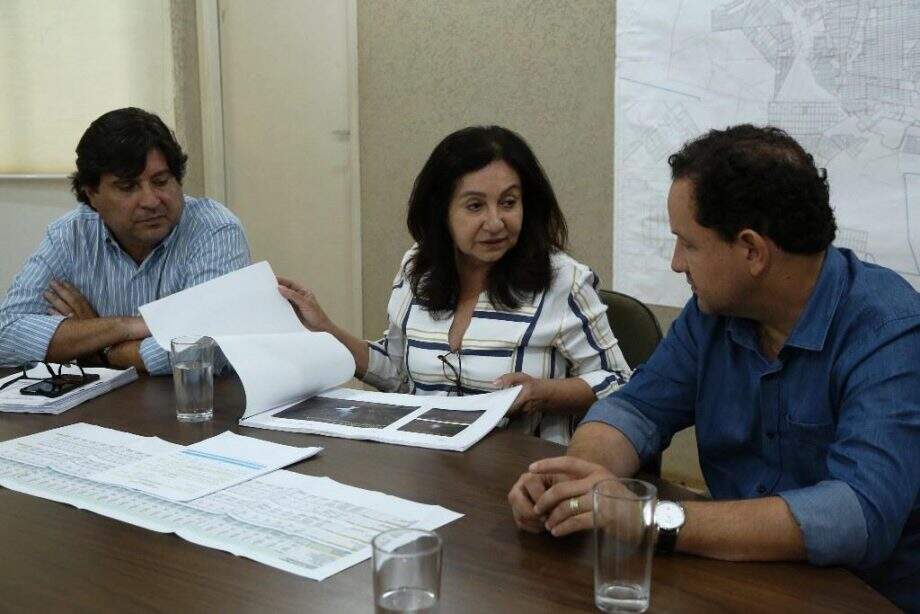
[{"x": 669, "y": 515}]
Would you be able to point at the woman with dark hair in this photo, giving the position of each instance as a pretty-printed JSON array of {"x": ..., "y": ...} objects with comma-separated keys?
[{"x": 487, "y": 298}]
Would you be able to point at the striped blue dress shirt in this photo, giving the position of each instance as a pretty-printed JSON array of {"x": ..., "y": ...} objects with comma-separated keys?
[{"x": 207, "y": 242}]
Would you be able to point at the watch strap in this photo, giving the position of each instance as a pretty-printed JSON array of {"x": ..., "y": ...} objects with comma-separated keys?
[
  {"x": 667, "y": 540},
  {"x": 104, "y": 356}
]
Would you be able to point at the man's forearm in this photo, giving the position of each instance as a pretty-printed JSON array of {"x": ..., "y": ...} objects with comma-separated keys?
[
  {"x": 127, "y": 354},
  {"x": 751, "y": 530},
  {"x": 75, "y": 337},
  {"x": 602, "y": 444}
]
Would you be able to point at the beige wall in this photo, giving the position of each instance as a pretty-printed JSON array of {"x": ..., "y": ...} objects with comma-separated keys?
[{"x": 425, "y": 69}]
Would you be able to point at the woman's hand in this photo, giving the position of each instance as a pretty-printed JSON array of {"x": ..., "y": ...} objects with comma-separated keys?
[
  {"x": 305, "y": 305},
  {"x": 532, "y": 396}
]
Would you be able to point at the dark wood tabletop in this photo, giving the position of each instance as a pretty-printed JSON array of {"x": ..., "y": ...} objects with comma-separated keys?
[{"x": 54, "y": 557}]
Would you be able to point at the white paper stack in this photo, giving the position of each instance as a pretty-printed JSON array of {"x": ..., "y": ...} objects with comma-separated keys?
[
  {"x": 307, "y": 525},
  {"x": 12, "y": 400}
]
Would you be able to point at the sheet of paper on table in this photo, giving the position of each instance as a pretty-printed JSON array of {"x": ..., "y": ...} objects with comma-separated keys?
[
  {"x": 310, "y": 526},
  {"x": 205, "y": 467},
  {"x": 283, "y": 367}
]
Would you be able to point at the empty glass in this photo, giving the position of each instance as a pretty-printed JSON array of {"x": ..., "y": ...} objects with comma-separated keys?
[
  {"x": 407, "y": 571},
  {"x": 624, "y": 536}
]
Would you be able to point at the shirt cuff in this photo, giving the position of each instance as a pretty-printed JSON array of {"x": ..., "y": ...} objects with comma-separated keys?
[
  {"x": 831, "y": 520},
  {"x": 621, "y": 415},
  {"x": 30, "y": 338},
  {"x": 602, "y": 383},
  {"x": 156, "y": 359}
]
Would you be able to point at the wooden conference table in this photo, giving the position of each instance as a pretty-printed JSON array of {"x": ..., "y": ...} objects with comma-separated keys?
[{"x": 56, "y": 558}]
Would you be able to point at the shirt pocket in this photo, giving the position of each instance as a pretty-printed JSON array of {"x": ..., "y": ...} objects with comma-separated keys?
[{"x": 808, "y": 444}]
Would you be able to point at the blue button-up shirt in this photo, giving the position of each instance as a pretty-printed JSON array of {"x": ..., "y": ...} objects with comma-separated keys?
[
  {"x": 832, "y": 425},
  {"x": 207, "y": 242}
]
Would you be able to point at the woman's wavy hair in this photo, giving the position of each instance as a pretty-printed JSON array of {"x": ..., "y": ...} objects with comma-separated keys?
[
  {"x": 758, "y": 178},
  {"x": 525, "y": 269}
]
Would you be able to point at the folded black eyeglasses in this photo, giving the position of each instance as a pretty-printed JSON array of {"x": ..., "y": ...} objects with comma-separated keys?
[{"x": 57, "y": 383}]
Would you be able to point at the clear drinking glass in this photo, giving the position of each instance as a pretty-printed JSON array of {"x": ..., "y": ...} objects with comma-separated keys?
[
  {"x": 193, "y": 378},
  {"x": 407, "y": 571},
  {"x": 624, "y": 536}
]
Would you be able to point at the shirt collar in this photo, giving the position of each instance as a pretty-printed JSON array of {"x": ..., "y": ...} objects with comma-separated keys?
[{"x": 810, "y": 330}]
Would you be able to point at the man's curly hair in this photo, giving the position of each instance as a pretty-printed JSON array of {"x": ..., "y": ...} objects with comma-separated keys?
[{"x": 758, "y": 178}]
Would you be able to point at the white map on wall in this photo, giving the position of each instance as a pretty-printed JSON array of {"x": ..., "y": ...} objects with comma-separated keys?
[{"x": 841, "y": 76}]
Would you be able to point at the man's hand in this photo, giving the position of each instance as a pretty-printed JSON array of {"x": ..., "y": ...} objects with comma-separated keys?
[
  {"x": 567, "y": 504},
  {"x": 67, "y": 301},
  {"x": 532, "y": 396},
  {"x": 523, "y": 496}
]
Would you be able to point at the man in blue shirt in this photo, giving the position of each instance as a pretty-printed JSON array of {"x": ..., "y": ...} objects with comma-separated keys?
[
  {"x": 798, "y": 363},
  {"x": 133, "y": 239}
]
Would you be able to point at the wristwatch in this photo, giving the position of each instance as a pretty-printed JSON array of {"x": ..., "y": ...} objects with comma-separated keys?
[
  {"x": 104, "y": 356},
  {"x": 670, "y": 517}
]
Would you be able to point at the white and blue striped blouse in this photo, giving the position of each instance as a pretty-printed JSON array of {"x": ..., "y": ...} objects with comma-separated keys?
[
  {"x": 563, "y": 332},
  {"x": 207, "y": 242}
]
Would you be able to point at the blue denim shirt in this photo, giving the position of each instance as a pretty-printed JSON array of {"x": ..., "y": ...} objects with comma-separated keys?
[{"x": 832, "y": 425}]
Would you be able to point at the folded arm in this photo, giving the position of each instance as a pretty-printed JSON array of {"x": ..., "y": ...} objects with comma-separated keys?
[{"x": 74, "y": 338}]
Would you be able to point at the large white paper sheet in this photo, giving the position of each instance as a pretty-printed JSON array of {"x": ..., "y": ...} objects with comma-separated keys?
[
  {"x": 445, "y": 423},
  {"x": 310, "y": 526},
  {"x": 205, "y": 467},
  {"x": 837, "y": 75},
  {"x": 241, "y": 302},
  {"x": 277, "y": 359},
  {"x": 280, "y": 369}
]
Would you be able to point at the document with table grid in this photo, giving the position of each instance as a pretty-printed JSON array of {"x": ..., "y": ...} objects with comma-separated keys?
[{"x": 310, "y": 526}]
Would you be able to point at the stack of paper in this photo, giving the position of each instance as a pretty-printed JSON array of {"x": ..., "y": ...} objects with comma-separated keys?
[
  {"x": 12, "y": 400},
  {"x": 310, "y": 526},
  {"x": 443, "y": 423}
]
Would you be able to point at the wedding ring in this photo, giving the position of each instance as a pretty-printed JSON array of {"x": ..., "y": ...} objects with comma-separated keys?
[{"x": 573, "y": 505}]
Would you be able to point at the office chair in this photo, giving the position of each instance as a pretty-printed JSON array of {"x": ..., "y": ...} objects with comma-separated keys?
[{"x": 638, "y": 331}]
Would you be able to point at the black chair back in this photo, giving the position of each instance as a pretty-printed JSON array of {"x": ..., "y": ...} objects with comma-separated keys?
[
  {"x": 633, "y": 324},
  {"x": 638, "y": 332}
]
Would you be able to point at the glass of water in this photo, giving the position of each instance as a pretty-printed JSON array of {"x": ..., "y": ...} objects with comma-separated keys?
[
  {"x": 624, "y": 536},
  {"x": 193, "y": 377},
  {"x": 407, "y": 571}
]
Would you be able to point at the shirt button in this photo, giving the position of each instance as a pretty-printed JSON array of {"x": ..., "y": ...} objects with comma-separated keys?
[{"x": 761, "y": 489}]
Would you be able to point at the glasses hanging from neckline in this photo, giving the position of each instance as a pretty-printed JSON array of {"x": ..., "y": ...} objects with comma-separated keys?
[{"x": 456, "y": 373}]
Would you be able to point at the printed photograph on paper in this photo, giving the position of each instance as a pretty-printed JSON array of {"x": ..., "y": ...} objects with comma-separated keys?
[
  {"x": 443, "y": 422},
  {"x": 347, "y": 412}
]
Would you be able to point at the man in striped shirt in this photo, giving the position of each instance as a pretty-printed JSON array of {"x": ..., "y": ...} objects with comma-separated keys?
[{"x": 134, "y": 238}]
